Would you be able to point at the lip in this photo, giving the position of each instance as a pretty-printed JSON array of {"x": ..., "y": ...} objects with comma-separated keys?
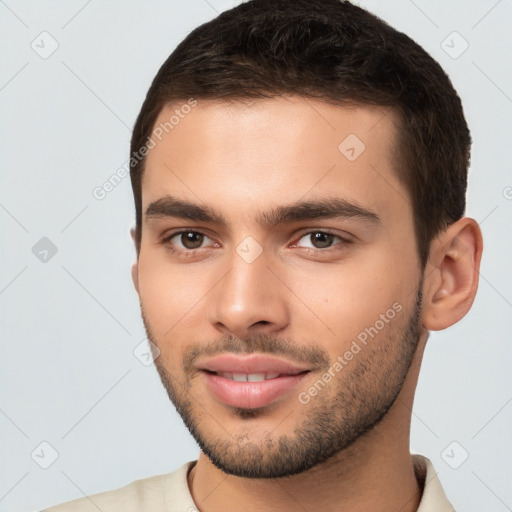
[
  {"x": 253, "y": 363},
  {"x": 250, "y": 395}
]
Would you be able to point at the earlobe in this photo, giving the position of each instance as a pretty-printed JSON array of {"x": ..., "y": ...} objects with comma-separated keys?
[
  {"x": 452, "y": 274},
  {"x": 135, "y": 276},
  {"x": 135, "y": 266}
]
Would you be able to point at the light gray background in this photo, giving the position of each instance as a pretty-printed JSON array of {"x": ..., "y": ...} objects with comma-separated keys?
[{"x": 70, "y": 324}]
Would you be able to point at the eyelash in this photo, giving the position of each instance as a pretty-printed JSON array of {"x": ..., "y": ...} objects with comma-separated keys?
[
  {"x": 182, "y": 252},
  {"x": 192, "y": 252},
  {"x": 327, "y": 251}
]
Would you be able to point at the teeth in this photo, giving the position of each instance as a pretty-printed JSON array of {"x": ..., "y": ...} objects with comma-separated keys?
[
  {"x": 255, "y": 377},
  {"x": 249, "y": 377}
]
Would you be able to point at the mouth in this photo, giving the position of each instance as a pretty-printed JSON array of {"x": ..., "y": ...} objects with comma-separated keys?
[
  {"x": 250, "y": 382},
  {"x": 251, "y": 377}
]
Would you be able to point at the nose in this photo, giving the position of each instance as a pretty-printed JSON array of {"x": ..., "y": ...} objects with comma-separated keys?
[{"x": 249, "y": 299}]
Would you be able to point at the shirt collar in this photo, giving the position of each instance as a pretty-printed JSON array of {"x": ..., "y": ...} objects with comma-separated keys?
[{"x": 433, "y": 498}]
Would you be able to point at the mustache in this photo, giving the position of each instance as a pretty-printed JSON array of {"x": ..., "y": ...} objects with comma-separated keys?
[{"x": 259, "y": 343}]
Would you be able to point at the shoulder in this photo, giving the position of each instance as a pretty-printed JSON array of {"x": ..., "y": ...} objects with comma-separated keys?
[{"x": 162, "y": 492}]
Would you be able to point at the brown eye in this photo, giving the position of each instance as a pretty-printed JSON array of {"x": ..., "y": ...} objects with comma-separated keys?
[
  {"x": 191, "y": 239},
  {"x": 321, "y": 240}
]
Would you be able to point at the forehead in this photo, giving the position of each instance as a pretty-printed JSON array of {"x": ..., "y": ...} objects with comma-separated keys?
[{"x": 234, "y": 155}]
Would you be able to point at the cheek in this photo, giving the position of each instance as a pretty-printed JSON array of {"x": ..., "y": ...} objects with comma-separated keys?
[
  {"x": 338, "y": 302},
  {"x": 169, "y": 294}
]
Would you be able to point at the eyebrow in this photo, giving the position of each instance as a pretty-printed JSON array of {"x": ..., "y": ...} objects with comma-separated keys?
[{"x": 328, "y": 208}]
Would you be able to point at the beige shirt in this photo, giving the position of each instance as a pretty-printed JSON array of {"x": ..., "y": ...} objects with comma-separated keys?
[{"x": 170, "y": 493}]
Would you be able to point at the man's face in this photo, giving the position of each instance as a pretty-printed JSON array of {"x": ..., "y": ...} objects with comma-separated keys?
[{"x": 245, "y": 273}]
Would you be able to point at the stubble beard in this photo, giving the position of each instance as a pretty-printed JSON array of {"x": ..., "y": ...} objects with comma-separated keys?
[{"x": 351, "y": 405}]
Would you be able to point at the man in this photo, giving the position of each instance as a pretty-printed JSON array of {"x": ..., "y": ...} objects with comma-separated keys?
[{"x": 299, "y": 171}]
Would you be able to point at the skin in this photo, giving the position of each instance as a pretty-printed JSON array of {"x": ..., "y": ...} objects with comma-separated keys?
[{"x": 314, "y": 298}]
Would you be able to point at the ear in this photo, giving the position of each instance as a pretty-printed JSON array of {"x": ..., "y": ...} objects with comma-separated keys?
[
  {"x": 451, "y": 274},
  {"x": 135, "y": 266}
]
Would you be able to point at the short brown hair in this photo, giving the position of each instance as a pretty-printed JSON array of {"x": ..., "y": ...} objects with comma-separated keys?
[{"x": 334, "y": 51}]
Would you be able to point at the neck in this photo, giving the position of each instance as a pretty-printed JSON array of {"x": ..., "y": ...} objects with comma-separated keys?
[
  {"x": 375, "y": 473},
  {"x": 354, "y": 481}
]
